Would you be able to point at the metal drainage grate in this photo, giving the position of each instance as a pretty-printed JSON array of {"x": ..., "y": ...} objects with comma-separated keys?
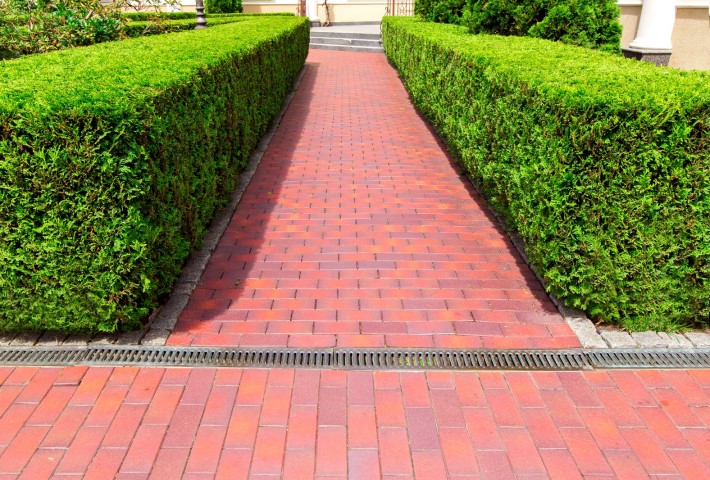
[
  {"x": 32, "y": 356},
  {"x": 390, "y": 359},
  {"x": 649, "y": 358},
  {"x": 355, "y": 359},
  {"x": 208, "y": 357}
]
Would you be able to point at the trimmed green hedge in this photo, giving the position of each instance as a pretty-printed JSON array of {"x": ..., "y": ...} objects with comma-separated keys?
[
  {"x": 586, "y": 23},
  {"x": 599, "y": 163},
  {"x": 147, "y": 27},
  {"x": 145, "y": 16},
  {"x": 115, "y": 157}
]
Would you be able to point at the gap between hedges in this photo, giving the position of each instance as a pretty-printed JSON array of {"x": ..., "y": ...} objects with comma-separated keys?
[
  {"x": 115, "y": 157},
  {"x": 599, "y": 163}
]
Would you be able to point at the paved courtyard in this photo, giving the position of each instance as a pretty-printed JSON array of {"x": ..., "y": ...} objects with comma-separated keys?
[{"x": 358, "y": 231}]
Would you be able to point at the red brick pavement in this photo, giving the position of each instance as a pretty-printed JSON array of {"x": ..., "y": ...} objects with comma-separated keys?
[
  {"x": 358, "y": 231},
  {"x": 130, "y": 423}
]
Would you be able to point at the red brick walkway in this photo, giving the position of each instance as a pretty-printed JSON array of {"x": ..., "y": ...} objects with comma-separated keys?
[
  {"x": 130, "y": 423},
  {"x": 357, "y": 230}
]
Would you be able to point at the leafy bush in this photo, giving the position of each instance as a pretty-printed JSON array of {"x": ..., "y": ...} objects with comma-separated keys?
[
  {"x": 505, "y": 17},
  {"x": 44, "y": 26},
  {"x": 152, "y": 15},
  {"x": 114, "y": 158},
  {"x": 599, "y": 163},
  {"x": 151, "y": 27},
  {"x": 587, "y": 23},
  {"x": 152, "y": 23},
  {"x": 223, "y": 6},
  {"x": 442, "y": 11}
]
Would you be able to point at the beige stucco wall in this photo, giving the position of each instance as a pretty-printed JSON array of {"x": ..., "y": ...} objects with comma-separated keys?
[
  {"x": 691, "y": 39},
  {"x": 340, "y": 13},
  {"x": 691, "y": 36},
  {"x": 270, "y": 8}
]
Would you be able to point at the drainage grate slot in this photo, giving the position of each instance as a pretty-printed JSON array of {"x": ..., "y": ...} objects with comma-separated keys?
[
  {"x": 460, "y": 360},
  {"x": 38, "y": 356},
  {"x": 651, "y": 358}
]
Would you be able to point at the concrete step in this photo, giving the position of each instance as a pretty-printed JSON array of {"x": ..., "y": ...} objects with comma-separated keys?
[
  {"x": 346, "y": 48},
  {"x": 356, "y": 42},
  {"x": 360, "y": 36}
]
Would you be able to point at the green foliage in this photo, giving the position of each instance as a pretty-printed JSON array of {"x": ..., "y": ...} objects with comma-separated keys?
[
  {"x": 599, "y": 163},
  {"x": 45, "y": 26},
  {"x": 152, "y": 15},
  {"x": 152, "y": 23},
  {"x": 587, "y": 23},
  {"x": 152, "y": 27},
  {"x": 114, "y": 158},
  {"x": 223, "y": 6},
  {"x": 505, "y": 17},
  {"x": 442, "y": 11}
]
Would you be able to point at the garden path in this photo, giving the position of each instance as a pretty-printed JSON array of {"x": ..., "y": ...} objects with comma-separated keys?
[
  {"x": 358, "y": 230},
  {"x": 357, "y": 206}
]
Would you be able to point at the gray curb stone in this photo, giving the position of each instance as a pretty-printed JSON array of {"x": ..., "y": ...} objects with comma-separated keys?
[
  {"x": 649, "y": 340},
  {"x": 619, "y": 339},
  {"x": 130, "y": 338},
  {"x": 586, "y": 332},
  {"x": 105, "y": 339},
  {"x": 155, "y": 337},
  {"x": 675, "y": 340},
  {"x": 699, "y": 339},
  {"x": 26, "y": 339},
  {"x": 77, "y": 340},
  {"x": 49, "y": 339}
]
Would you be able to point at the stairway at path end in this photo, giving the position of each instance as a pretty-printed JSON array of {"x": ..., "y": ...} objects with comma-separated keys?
[{"x": 350, "y": 38}]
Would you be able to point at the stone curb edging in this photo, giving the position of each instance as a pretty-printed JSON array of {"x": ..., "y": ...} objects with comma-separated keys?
[{"x": 162, "y": 321}]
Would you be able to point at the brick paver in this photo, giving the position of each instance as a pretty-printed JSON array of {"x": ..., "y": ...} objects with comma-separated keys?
[
  {"x": 357, "y": 230},
  {"x": 130, "y": 423}
]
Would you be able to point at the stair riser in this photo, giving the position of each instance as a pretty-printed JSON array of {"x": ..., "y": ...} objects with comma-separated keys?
[
  {"x": 346, "y": 41},
  {"x": 345, "y": 48},
  {"x": 359, "y": 36}
]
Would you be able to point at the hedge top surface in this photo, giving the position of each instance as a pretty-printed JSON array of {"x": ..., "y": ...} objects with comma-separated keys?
[
  {"x": 135, "y": 69},
  {"x": 583, "y": 75}
]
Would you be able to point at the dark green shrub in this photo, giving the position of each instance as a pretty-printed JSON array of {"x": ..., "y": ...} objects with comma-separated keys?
[
  {"x": 587, "y": 23},
  {"x": 505, "y": 17},
  {"x": 223, "y": 6},
  {"x": 114, "y": 158},
  {"x": 599, "y": 163},
  {"x": 442, "y": 11}
]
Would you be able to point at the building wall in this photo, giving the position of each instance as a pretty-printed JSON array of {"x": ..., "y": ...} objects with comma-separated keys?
[
  {"x": 691, "y": 32},
  {"x": 691, "y": 39},
  {"x": 343, "y": 12}
]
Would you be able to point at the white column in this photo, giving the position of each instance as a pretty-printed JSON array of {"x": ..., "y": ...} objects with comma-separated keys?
[
  {"x": 312, "y": 10},
  {"x": 655, "y": 25}
]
